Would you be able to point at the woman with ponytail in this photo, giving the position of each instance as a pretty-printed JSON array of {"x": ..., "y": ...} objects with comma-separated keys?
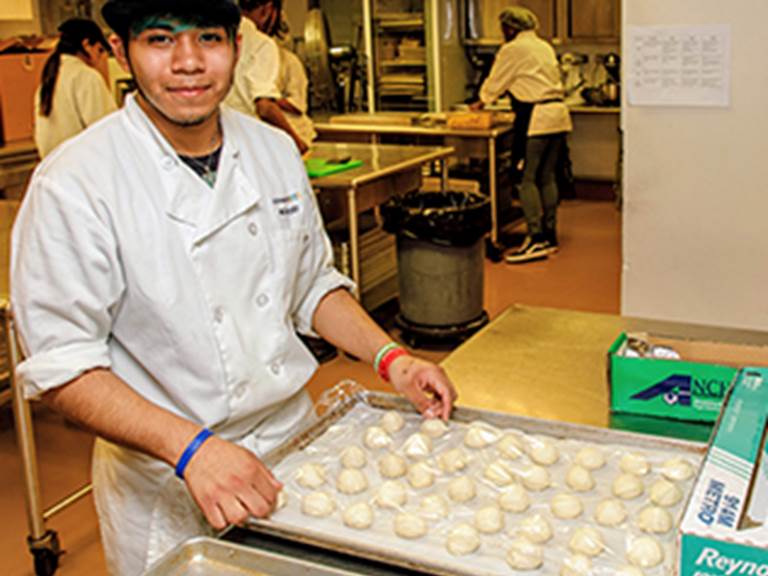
[{"x": 73, "y": 93}]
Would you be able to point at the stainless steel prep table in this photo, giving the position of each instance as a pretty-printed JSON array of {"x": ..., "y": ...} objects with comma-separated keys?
[
  {"x": 488, "y": 142},
  {"x": 386, "y": 171},
  {"x": 552, "y": 364}
]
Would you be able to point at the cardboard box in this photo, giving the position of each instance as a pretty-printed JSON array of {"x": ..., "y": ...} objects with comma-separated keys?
[
  {"x": 724, "y": 531},
  {"x": 691, "y": 388}
]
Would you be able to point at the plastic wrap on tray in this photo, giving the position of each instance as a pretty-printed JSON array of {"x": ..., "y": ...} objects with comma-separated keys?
[{"x": 474, "y": 498}]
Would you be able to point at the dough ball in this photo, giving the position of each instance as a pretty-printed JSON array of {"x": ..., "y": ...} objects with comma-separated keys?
[
  {"x": 434, "y": 427},
  {"x": 391, "y": 494},
  {"x": 418, "y": 446},
  {"x": 543, "y": 451},
  {"x": 665, "y": 493},
  {"x": 628, "y": 486},
  {"x": 576, "y": 565},
  {"x": 677, "y": 469},
  {"x": 489, "y": 520},
  {"x": 498, "y": 473},
  {"x": 392, "y": 422},
  {"x": 282, "y": 500},
  {"x": 634, "y": 463},
  {"x": 310, "y": 475},
  {"x": 645, "y": 552},
  {"x": 590, "y": 458},
  {"x": 655, "y": 520},
  {"x": 514, "y": 499},
  {"x": 630, "y": 571},
  {"x": 420, "y": 476},
  {"x": 351, "y": 481},
  {"x": 376, "y": 438},
  {"x": 480, "y": 435},
  {"x": 579, "y": 479},
  {"x": 535, "y": 528},
  {"x": 392, "y": 466},
  {"x": 453, "y": 460},
  {"x": 318, "y": 504},
  {"x": 536, "y": 478},
  {"x": 610, "y": 512},
  {"x": 410, "y": 526},
  {"x": 353, "y": 457},
  {"x": 434, "y": 506},
  {"x": 359, "y": 516},
  {"x": 511, "y": 447},
  {"x": 524, "y": 555},
  {"x": 462, "y": 489},
  {"x": 462, "y": 540},
  {"x": 566, "y": 506},
  {"x": 587, "y": 540}
]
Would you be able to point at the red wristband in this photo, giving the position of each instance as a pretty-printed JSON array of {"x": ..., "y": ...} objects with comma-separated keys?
[{"x": 387, "y": 360}]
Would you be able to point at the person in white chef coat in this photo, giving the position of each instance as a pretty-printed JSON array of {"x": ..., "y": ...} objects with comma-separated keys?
[
  {"x": 294, "y": 85},
  {"x": 256, "y": 89},
  {"x": 162, "y": 263},
  {"x": 526, "y": 69},
  {"x": 73, "y": 92}
]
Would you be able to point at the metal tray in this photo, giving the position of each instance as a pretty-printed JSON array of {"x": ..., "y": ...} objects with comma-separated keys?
[
  {"x": 207, "y": 557},
  {"x": 382, "y": 401}
]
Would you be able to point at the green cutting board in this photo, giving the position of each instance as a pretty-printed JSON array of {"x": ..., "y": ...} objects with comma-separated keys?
[{"x": 318, "y": 167}]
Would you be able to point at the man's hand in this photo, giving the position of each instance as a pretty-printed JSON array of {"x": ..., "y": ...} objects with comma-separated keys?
[
  {"x": 229, "y": 484},
  {"x": 425, "y": 385},
  {"x": 476, "y": 106},
  {"x": 301, "y": 145}
]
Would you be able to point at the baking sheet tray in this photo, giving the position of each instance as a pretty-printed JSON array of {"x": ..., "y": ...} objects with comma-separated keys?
[
  {"x": 209, "y": 557},
  {"x": 420, "y": 555}
]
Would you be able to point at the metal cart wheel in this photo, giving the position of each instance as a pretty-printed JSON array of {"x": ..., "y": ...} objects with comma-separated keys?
[{"x": 46, "y": 552}]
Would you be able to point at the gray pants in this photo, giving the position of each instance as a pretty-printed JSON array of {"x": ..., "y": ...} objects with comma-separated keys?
[{"x": 538, "y": 187}]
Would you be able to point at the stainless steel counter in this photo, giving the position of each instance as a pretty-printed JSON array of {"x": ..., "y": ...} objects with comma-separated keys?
[{"x": 552, "y": 364}]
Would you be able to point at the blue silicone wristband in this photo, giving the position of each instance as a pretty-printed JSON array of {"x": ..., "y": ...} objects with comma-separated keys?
[{"x": 190, "y": 450}]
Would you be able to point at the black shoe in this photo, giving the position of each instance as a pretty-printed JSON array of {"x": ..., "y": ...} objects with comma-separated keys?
[
  {"x": 550, "y": 236},
  {"x": 529, "y": 251}
]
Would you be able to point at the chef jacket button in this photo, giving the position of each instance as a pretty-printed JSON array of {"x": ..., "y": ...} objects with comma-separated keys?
[
  {"x": 275, "y": 367},
  {"x": 253, "y": 229},
  {"x": 218, "y": 315},
  {"x": 305, "y": 238},
  {"x": 168, "y": 162},
  {"x": 240, "y": 391},
  {"x": 262, "y": 300}
]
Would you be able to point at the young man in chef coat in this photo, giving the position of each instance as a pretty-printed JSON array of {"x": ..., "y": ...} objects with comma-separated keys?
[
  {"x": 256, "y": 89},
  {"x": 163, "y": 261}
]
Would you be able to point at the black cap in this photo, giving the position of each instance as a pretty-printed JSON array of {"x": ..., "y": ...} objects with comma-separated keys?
[{"x": 122, "y": 14}]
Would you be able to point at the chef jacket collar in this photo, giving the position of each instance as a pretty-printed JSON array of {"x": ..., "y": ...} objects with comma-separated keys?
[{"x": 233, "y": 192}]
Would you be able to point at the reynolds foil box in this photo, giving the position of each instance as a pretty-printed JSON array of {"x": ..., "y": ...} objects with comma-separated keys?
[{"x": 724, "y": 531}]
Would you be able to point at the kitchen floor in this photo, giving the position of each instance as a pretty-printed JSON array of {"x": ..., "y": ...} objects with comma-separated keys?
[{"x": 584, "y": 275}]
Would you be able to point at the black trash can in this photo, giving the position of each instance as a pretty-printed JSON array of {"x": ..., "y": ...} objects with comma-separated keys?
[{"x": 440, "y": 254}]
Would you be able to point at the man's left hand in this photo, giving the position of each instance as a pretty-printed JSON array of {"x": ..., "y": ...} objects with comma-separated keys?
[{"x": 425, "y": 384}]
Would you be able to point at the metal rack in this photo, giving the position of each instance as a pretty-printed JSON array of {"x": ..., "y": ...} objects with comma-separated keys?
[{"x": 43, "y": 542}]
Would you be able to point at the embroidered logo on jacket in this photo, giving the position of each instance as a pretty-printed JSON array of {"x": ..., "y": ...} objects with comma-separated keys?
[{"x": 287, "y": 205}]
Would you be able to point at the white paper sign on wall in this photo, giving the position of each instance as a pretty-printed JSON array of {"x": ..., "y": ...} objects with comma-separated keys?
[{"x": 679, "y": 65}]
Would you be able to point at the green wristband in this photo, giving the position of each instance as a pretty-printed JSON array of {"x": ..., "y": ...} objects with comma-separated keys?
[{"x": 382, "y": 352}]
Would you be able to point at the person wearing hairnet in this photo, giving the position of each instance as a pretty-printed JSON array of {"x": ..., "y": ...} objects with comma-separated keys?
[
  {"x": 162, "y": 264},
  {"x": 73, "y": 93},
  {"x": 526, "y": 68}
]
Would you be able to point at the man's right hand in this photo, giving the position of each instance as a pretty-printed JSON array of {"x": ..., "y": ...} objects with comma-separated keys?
[{"x": 229, "y": 484}]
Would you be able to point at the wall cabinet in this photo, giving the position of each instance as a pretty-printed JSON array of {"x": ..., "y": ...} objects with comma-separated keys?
[{"x": 594, "y": 19}]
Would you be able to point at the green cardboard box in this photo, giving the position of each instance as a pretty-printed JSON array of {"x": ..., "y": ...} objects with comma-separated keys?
[
  {"x": 690, "y": 388},
  {"x": 724, "y": 531}
]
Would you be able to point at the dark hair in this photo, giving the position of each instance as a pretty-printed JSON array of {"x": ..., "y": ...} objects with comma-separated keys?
[
  {"x": 248, "y": 5},
  {"x": 73, "y": 33},
  {"x": 124, "y": 15}
]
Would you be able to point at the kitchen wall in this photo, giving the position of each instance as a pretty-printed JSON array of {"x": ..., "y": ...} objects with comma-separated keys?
[
  {"x": 695, "y": 207},
  {"x": 10, "y": 26}
]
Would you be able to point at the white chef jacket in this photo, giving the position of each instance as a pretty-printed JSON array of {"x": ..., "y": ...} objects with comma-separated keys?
[
  {"x": 81, "y": 97},
  {"x": 293, "y": 86},
  {"x": 258, "y": 69},
  {"x": 527, "y": 67},
  {"x": 123, "y": 257}
]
